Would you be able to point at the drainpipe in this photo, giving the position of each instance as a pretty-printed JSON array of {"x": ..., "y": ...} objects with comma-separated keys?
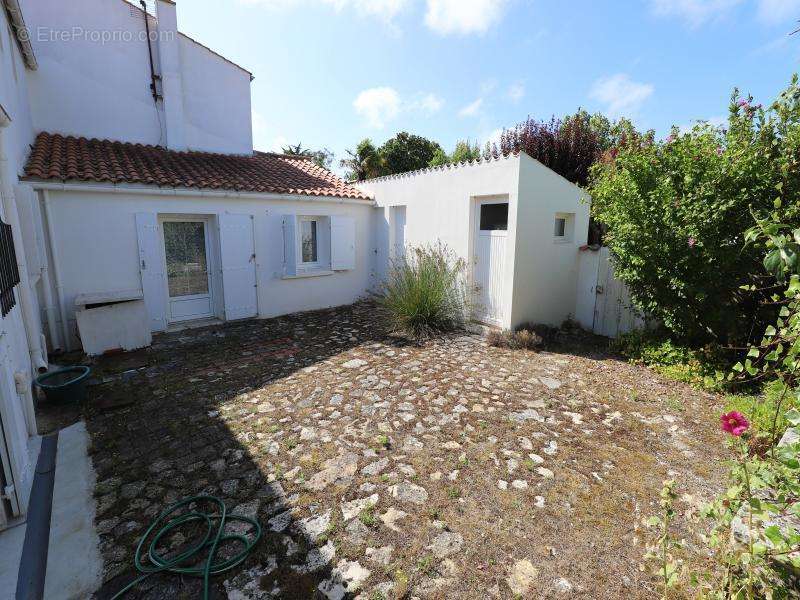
[
  {"x": 56, "y": 274},
  {"x": 47, "y": 284},
  {"x": 31, "y": 320}
]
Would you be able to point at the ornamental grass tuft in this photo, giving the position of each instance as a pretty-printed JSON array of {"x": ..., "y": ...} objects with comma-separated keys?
[{"x": 426, "y": 292}]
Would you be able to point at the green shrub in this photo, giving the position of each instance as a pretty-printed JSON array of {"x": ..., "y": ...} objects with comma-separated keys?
[
  {"x": 677, "y": 210},
  {"x": 426, "y": 294},
  {"x": 698, "y": 367},
  {"x": 753, "y": 536},
  {"x": 761, "y": 409}
]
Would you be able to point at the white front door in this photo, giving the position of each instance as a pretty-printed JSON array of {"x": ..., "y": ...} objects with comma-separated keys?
[
  {"x": 186, "y": 244},
  {"x": 490, "y": 258}
]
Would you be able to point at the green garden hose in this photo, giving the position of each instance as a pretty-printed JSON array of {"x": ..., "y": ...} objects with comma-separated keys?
[{"x": 165, "y": 524}]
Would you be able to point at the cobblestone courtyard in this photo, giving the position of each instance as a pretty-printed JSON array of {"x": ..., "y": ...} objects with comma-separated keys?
[{"x": 381, "y": 469}]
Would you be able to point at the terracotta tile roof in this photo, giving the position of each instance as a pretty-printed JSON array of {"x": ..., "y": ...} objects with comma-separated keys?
[{"x": 73, "y": 159}]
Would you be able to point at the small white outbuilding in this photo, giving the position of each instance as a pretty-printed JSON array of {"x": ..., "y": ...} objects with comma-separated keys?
[{"x": 518, "y": 224}]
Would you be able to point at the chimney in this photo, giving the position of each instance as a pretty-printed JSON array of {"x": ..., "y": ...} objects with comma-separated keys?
[{"x": 171, "y": 74}]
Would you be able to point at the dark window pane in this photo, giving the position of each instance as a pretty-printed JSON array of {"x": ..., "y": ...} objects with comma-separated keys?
[
  {"x": 561, "y": 227},
  {"x": 309, "y": 241},
  {"x": 185, "y": 249},
  {"x": 494, "y": 217}
]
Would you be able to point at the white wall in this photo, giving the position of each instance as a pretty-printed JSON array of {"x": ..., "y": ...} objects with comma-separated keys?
[
  {"x": 85, "y": 87},
  {"x": 97, "y": 248},
  {"x": 546, "y": 269},
  {"x": 14, "y": 350},
  {"x": 440, "y": 205}
]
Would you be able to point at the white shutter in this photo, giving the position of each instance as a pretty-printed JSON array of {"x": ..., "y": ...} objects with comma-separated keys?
[
  {"x": 290, "y": 245},
  {"x": 343, "y": 243},
  {"x": 151, "y": 267},
  {"x": 238, "y": 266}
]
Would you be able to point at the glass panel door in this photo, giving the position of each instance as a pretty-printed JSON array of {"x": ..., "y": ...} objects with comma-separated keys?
[{"x": 186, "y": 257}]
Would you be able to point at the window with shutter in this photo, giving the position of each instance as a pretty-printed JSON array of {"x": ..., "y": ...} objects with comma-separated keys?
[{"x": 9, "y": 272}]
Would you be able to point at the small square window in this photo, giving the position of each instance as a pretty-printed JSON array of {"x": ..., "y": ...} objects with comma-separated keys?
[
  {"x": 308, "y": 232},
  {"x": 561, "y": 227},
  {"x": 494, "y": 217}
]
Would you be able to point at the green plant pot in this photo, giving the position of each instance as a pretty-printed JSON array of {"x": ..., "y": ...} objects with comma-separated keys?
[{"x": 64, "y": 386}]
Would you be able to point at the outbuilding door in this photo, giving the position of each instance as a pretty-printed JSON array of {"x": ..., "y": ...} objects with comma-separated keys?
[{"x": 490, "y": 258}]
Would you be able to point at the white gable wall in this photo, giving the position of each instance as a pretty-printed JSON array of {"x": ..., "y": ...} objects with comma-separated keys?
[
  {"x": 110, "y": 261},
  {"x": 546, "y": 269},
  {"x": 95, "y": 89}
]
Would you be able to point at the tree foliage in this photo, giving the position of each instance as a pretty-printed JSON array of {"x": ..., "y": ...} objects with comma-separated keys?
[
  {"x": 323, "y": 158},
  {"x": 407, "y": 152},
  {"x": 400, "y": 154},
  {"x": 363, "y": 163},
  {"x": 677, "y": 210},
  {"x": 463, "y": 152},
  {"x": 569, "y": 147}
]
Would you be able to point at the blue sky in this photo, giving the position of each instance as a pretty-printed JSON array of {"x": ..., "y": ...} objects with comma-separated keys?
[{"x": 331, "y": 72}]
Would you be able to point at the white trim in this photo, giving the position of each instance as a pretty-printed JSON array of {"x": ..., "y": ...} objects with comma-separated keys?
[
  {"x": 18, "y": 26},
  {"x": 187, "y": 192}
]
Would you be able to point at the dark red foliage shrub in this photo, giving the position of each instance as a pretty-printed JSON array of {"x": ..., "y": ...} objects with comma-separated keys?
[{"x": 569, "y": 147}]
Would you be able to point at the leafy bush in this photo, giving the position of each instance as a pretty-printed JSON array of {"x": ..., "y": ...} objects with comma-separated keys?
[
  {"x": 426, "y": 293},
  {"x": 463, "y": 152},
  {"x": 754, "y": 533},
  {"x": 568, "y": 147},
  {"x": 762, "y": 408},
  {"x": 698, "y": 368},
  {"x": 676, "y": 212}
]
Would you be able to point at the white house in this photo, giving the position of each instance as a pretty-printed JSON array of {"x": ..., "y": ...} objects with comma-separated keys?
[
  {"x": 137, "y": 204},
  {"x": 518, "y": 224}
]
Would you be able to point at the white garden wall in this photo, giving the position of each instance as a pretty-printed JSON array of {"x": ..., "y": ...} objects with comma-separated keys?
[
  {"x": 95, "y": 240},
  {"x": 604, "y": 302}
]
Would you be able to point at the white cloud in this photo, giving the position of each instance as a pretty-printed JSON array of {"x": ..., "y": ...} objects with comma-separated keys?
[
  {"x": 378, "y": 105},
  {"x": 381, "y": 105},
  {"x": 516, "y": 92},
  {"x": 694, "y": 12},
  {"x": 429, "y": 104},
  {"x": 471, "y": 109},
  {"x": 777, "y": 12},
  {"x": 385, "y": 10},
  {"x": 620, "y": 94},
  {"x": 463, "y": 16}
]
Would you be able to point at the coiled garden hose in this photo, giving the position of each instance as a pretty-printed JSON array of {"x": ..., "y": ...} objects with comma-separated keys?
[{"x": 210, "y": 543}]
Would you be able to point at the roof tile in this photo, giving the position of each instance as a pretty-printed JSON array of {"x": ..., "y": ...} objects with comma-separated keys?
[{"x": 67, "y": 158}]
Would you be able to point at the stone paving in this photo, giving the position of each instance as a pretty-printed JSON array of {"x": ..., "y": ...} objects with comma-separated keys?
[{"x": 383, "y": 469}]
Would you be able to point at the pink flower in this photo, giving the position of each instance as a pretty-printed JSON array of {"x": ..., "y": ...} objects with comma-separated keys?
[
  {"x": 692, "y": 242},
  {"x": 671, "y": 138},
  {"x": 743, "y": 103},
  {"x": 734, "y": 423}
]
